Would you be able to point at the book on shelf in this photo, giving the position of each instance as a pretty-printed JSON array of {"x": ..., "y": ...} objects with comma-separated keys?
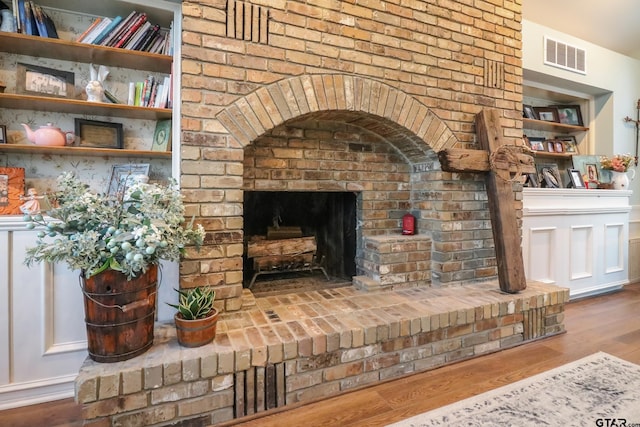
[
  {"x": 111, "y": 97},
  {"x": 163, "y": 93},
  {"x": 39, "y": 17},
  {"x": 21, "y": 17},
  {"x": 130, "y": 31},
  {"x": 51, "y": 27},
  {"x": 146, "y": 90},
  {"x": 131, "y": 97},
  {"x": 90, "y": 28},
  {"x": 168, "y": 49},
  {"x": 156, "y": 46},
  {"x": 115, "y": 21},
  {"x": 144, "y": 42},
  {"x": 138, "y": 94},
  {"x": 137, "y": 35},
  {"x": 30, "y": 21},
  {"x": 154, "y": 92},
  {"x": 107, "y": 41},
  {"x": 97, "y": 30}
]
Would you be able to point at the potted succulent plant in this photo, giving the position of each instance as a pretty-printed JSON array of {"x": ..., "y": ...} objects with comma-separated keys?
[
  {"x": 197, "y": 318},
  {"x": 117, "y": 242}
]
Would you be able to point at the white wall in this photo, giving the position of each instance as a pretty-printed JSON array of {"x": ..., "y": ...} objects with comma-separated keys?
[{"x": 612, "y": 81}]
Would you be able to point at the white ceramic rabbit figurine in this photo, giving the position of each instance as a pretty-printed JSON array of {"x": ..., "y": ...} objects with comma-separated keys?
[{"x": 95, "y": 90}]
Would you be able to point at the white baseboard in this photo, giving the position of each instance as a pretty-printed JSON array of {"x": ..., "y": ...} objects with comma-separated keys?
[{"x": 31, "y": 393}]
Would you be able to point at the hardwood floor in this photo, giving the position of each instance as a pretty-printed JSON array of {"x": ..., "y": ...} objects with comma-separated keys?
[{"x": 609, "y": 323}]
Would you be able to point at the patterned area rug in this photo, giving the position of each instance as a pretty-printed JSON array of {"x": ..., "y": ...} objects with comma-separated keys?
[{"x": 585, "y": 392}]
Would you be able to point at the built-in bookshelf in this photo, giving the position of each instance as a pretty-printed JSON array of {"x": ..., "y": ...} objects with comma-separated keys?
[
  {"x": 68, "y": 55},
  {"x": 50, "y": 374}
]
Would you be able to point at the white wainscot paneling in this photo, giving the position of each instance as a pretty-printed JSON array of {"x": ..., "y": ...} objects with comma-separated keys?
[
  {"x": 614, "y": 248},
  {"x": 576, "y": 238},
  {"x": 42, "y": 327},
  {"x": 581, "y": 252},
  {"x": 542, "y": 259}
]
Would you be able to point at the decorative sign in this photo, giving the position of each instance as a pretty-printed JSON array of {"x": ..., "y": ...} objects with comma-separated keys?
[{"x": 11, "y": 188}]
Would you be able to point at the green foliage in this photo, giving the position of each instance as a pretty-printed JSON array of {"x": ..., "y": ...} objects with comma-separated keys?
[
  {"x": 195, "y": 303},
  {"x": 126, "y": 232}
]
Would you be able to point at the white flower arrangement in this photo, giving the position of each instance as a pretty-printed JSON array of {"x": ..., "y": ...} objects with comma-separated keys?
[{"x": 126, "y": 232}]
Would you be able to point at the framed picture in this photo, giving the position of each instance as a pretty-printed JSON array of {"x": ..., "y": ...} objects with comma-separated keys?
[
  {"x": 569, "y": 142},
  {"x": 536, "y": 143},
  {"x": 528, "y": 112},
  {"x": 558, "y": 146},
  {"x": 570, "y": 115},
  {"x": 531, "y": 181},
  {"x": 549, "y": 175},
  {"x": 91, "y": 133},
  {"x": 551, "y": 146},
  {"x": 11, "y": 188},
  {"x": 3, "y": 134},
  {"x": 592, "y": 172},
  {"x": 548, "y": 114},
  {"x": 42, "y": 81},
  {"x": 575, "y": 177},
  {"x": 123, "y": 175},
  {"x": 162, "y": 136},
  {"x": 580, "y": 163}
]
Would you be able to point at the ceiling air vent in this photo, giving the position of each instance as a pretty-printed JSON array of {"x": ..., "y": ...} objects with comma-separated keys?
[{"x": 562, "y": 55}]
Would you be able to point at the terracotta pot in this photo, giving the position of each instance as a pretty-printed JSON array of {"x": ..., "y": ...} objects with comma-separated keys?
[
  {"x": 198, "y": 332},
  {"x": 119, "y": 314}
]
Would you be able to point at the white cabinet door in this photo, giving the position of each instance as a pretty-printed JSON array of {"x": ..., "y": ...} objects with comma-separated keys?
[{"x": 42, "y": 328}]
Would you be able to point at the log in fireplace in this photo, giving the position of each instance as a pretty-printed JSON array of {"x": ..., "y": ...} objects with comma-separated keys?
[{"x": 312, "y": 231}]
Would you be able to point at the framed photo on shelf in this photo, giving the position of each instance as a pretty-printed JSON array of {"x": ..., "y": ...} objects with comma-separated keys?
[
  {"x": 536, "y": 143},
  {"x": 162, "y": 136},
  {"x": 3, "y": 134},
  {"x": 91, "y": 133},
  {"x": 569, "y": 142},
  {"x": 11, "y": 188},
  {"x": 547, "y": 114},
  {"x": 570, "y": 115},
  {"x": 592, "y": 172},
  {"x": 528, "y": 112},
  {"x": 558, "y": 146},
  {"x": 123, "y": 175},
  {"x": 531, "y": 181},
  {"x": 43, "y": 81},
  {"x": 549, "y": 175},
  {"x": 580, "y": 163},
  {"x": 575, "y": 178},
  {"x": 551, "y": 146}
]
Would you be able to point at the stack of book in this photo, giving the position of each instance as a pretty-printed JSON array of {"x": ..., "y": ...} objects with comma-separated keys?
[
  {"x": 32, "y": 20},
  {"x": 153, "y": 92},
  {"x": 132, "y": 32}
]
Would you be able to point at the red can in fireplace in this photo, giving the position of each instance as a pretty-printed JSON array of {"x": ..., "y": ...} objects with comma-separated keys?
[{"x": 408, "y": 224}]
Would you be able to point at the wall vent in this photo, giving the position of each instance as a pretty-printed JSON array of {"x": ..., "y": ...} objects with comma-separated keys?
[{"x": 567, "y": 57}]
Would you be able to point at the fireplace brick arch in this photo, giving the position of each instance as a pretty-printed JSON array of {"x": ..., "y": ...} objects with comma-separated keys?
[
  {"x": 448, "y": 205},
  {"x": 272, "y": 105}
]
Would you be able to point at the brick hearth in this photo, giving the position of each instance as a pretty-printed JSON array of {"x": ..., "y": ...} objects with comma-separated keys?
[{"x": 293, "y": 348}]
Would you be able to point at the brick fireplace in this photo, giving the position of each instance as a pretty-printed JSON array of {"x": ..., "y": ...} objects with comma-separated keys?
[
  {"x": 328, "y": 98},
  {"x": 341, "y": 97}
]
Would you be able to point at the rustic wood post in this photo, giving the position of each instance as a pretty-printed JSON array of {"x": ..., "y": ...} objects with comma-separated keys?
[{"x": 498, "y": 167}]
